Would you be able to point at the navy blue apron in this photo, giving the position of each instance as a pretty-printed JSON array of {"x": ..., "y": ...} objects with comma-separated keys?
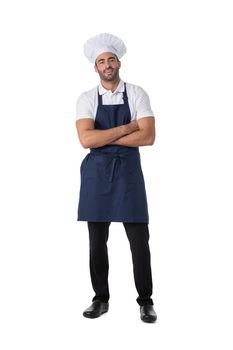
[{"x": 112, "y": 184}]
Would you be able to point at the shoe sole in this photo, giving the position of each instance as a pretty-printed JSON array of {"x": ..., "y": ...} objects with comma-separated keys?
[
  {"x": 94, "y": 316},
  {"x": 149, "y": 321}
]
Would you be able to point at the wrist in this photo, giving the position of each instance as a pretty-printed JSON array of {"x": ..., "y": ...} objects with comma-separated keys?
[{"x": 123, "y": 130}]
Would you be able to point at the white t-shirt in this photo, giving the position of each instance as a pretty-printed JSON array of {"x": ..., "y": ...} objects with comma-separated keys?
[{"x": 139, "y": 103}]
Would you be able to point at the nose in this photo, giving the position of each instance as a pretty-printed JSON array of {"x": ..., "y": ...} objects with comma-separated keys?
[{"x": 108, "y": 65}]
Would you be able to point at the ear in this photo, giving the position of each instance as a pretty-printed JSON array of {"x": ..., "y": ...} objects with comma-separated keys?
[
  {"x": 119, "y": 63},
  {"x": 95, "y": 69}
]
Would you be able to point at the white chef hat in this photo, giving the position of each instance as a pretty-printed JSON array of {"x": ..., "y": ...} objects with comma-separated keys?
[{"x": 103, "y": 42}]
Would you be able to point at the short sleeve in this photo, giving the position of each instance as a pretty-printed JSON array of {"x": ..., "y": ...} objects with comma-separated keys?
[
  {"x": 143, "y": 108},
  {"x": 84, "y": 109}
]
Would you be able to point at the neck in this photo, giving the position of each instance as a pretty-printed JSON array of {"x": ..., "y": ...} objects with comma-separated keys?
[{"x": 110, "y": 85}]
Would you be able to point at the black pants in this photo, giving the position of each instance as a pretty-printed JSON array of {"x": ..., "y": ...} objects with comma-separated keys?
[{"x": 138, "y": 236}]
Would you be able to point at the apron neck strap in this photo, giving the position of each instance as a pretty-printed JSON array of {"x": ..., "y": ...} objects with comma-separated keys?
[{"x": 125, "y": 96}]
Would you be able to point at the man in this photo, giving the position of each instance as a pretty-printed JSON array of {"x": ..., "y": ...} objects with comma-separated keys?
[{"x": 113, "y": 120}]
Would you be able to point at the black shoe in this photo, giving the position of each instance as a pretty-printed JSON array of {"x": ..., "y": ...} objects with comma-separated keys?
[
  {"x": 96, "y": 309},
  {"x": 148, "y": 314}
]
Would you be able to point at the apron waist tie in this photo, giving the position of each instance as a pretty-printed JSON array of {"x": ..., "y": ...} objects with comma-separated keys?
[{"x": 116, "y": 159}]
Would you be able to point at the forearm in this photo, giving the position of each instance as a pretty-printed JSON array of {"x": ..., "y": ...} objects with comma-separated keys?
[
  {"x": 94, "y": 138},
  {"x": 144, "y": 136},
  {"x": 98, "y": 138},
  {"x": 136, "y": 139}
]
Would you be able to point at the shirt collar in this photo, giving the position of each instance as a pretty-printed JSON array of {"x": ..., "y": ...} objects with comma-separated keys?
[{"x": 120, "y": 88}]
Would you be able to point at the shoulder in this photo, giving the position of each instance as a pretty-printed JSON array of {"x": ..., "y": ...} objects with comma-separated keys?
[
  {"x": 135, "y": 90},
  {"x": 139, "y": 100},
  {"x": 85, "y": 104},
  {"x": 88, "y": 96}
]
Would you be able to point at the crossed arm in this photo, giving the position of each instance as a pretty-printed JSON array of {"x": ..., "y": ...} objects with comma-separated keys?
[{"x": 134, "y": 134}]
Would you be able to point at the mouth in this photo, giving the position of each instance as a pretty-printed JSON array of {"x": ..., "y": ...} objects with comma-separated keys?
[{"x": 109, "y": 71}]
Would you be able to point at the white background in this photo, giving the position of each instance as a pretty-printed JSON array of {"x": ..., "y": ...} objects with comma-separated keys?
[{"x": 180, "y": 52}]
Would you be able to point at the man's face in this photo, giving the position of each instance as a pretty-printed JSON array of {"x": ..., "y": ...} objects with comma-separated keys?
[{"x": 107, "y": 65}]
